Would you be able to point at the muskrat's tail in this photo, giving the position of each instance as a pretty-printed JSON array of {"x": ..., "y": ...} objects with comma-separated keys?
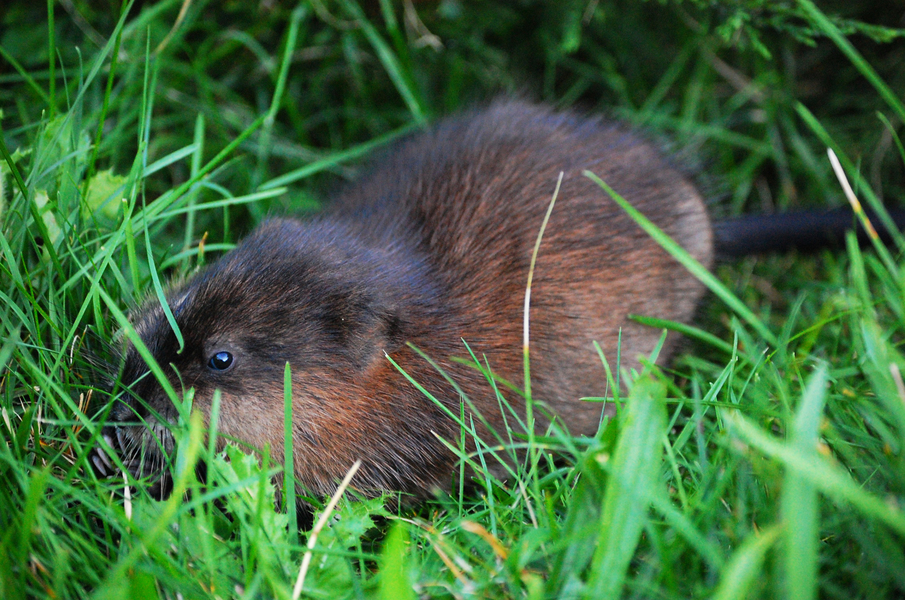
[{"x": 805, "y": 231}]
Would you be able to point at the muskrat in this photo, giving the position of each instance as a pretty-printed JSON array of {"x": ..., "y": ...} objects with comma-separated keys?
[{"x": 431, "y": 247}]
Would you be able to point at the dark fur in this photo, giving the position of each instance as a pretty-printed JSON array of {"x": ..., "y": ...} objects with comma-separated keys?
[{"x": 432, "y": 247}]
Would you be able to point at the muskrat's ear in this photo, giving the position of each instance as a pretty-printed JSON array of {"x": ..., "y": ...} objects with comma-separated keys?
[
  {"x": 363, "y": 325},
  {"x": 394, "y": 331},
  {"x": 380, "y": 331}
]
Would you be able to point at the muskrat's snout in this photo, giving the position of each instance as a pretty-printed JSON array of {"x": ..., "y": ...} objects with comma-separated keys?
[
  {"x": 140, "y": 438},
  {"x": 138, "y": 431},
  {"x": 141, "y": 455}
]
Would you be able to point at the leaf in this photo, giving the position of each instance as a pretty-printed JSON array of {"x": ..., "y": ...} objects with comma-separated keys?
[
  {"x": 395, "y": 569},
  {"x": 255, "y": 503},
  {"x": 333, "y": 576},
  {"x": 104, "y": 194},
  {"x": 46, "y": 210}
]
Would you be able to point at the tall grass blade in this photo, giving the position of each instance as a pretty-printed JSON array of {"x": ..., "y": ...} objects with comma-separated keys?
[
  {"x": 390, "y": 63},
  {"x": 799, "y": 501},
  {"x": 828, "y": 478},
  {"x": 630, "y": 487},
  {"x": 744, "y": 572},
  {"x": 827, "y": 27},
  {"x": 693, "y": 266},
  {"x": 396, "y": 565}
]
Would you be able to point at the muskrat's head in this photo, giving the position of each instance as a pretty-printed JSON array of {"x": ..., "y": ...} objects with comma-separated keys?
[{"x": 289, "y": 293}]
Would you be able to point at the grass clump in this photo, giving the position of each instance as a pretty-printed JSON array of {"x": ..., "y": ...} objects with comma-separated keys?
[{"x": 139, "y": 140}]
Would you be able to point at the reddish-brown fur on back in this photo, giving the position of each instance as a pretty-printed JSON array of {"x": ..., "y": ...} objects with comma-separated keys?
[{"x": 432, "y": 246}]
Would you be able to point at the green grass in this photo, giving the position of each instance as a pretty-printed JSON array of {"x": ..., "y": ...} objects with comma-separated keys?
[{"x": 768, "y": 461}]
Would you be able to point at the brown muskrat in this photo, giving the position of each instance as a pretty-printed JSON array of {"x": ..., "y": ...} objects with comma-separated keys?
[{"x": 430, "y": 248}]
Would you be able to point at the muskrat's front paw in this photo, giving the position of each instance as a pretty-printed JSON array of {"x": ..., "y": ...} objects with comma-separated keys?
[
  {"x": 101, "y": 461},
  {"x": 140, "y": 464}
]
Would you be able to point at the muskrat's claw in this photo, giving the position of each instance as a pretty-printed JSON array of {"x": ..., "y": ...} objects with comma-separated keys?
[{"x": 101, "y": 461}]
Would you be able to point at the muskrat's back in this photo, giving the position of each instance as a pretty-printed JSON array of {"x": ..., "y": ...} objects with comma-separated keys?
[
  {"x": 470, "y": 196},
  {"x": 430, "y": 248}
]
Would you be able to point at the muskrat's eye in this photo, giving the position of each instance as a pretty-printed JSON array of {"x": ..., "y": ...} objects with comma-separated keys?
[{"x": 220, "y": 361}]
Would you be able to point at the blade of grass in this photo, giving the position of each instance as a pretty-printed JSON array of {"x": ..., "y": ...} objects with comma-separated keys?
[
  {"x": 693, "y": 266},
  {"x": 892, "y": 134},
  {"x": 114, "y": 58},
  {"x": 197, "y": 158},
  {"x": 799, "y": 502},
  {"x": 395, "y": 559},
  {"x": 822, "y": 23},
  {"x": 881, "y": 250},
  {"x": 630, "y": 487},
  {"x": 17, "y": 177},
  {"x": 849, "y": 168},
  {"x": 161, "y": 296},
  {"x": 318, "y": 527},
  {"x": 167, "y": 160},
  {"x": 234, "y": 201},
  {"x": 686, "y": 330},
  {"x": 130, "y": 333},
  {"x": 873, "y": 343},
  {"x": 298, "y": 14},
  {"x": 51, "y": 60},
  {"x": 338, "y": 157},
  {"x": 526, "y": 337},
  {"x": 390, "y": 63},
  {"x": 687, "y": 529},
  {"x": 26, "y": 76},
  {"x": 288, "y": 460},
  {"x": 744, "y": 570},
  {"x": 188, "y": 456},
  {"x": 826, "y": 477}
]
